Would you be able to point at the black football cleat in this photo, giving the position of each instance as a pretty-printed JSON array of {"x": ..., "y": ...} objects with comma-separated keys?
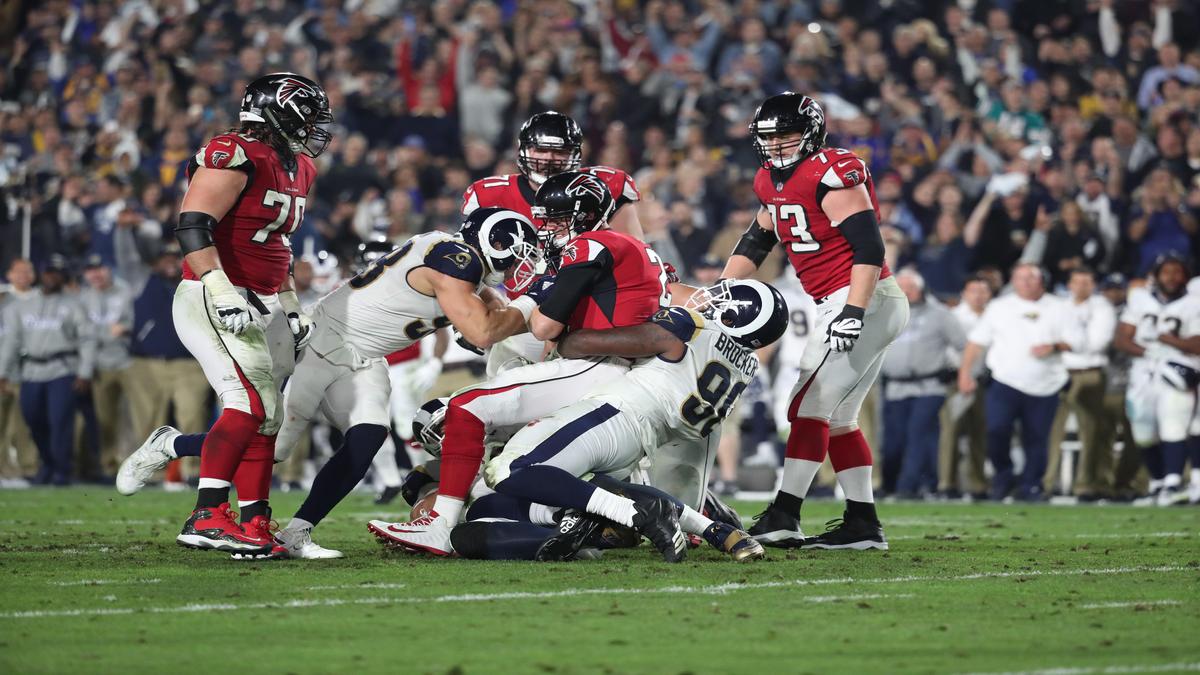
[
  {"x": 719, "y": 511},
  {"x": 657, "y": 521},
  {"x": 575, "y": 530},
  {"x": 858, "y": 534},
  {"x": 774, "y": 527}
]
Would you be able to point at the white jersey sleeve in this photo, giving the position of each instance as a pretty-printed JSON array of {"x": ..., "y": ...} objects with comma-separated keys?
[
  {"x": 688, "y": 398},
  {"x": 378, "y": 312}
]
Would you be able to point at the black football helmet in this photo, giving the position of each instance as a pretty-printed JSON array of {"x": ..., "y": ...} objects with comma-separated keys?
[
  {"x": 783, "y": 115},
  {"x": 754, "y": 314},
  {"x": 549, "y": 131},
  {"x": 508, "y": 243},
  {"x": 294, "y": 107},
  {"x": 569, "y": 204}
]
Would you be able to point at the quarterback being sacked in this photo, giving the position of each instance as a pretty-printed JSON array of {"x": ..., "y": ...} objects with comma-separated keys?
[
  {"x": 605, "y": 279},
  {"x": 819, "y": 203},
  {"x": 431, "y": 281},
  {"x": 235, "y": 310},
  {"x": 692, "y": 373}
]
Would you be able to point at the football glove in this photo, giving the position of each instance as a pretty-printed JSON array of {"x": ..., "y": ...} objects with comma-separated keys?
[
  {"x": 300, "y": 323},
  {"x": 844, "y": 331},
  {"x": 414, "y": 484},
  {"x": 539, "y": 290},
  {"x": 672, "y": 273},
  {"x": 229, "y": 307},
  {"x": 466, "y": 344}
]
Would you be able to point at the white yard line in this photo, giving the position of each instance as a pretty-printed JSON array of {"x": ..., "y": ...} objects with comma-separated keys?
[
  {"x": 1104, "y": 670},
  {"x": 103, "y": 582},
  {"x": 1130, "y": 603},
  {"x": 343, "y": 586},
  {"x": 721, "y": 589},
  {"x": 950, "y": 536}
]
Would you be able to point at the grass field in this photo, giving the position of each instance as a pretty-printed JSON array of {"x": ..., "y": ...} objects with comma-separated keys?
[{"x": 93, "y": 582}]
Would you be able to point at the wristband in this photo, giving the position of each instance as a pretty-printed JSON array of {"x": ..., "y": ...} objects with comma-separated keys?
[{"x": 525, "y": 305}]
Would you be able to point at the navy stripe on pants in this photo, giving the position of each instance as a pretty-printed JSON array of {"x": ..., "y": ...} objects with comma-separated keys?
[
  {"x": 560, "y": 439},
  {"x": 1005, "y": 405},
  {"x": 49, "y": 411}
]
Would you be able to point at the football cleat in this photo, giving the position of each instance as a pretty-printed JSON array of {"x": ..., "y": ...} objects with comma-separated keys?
[
  {"x": 574, "y": 530},
  {"x": 719, "y": 511},
  {"x": 428, "y": 534},
  {"x": 388, "y": 494},
  {"x": 856, "y": 534},
  {"x": 216, "y": 528},
  {"x": 1172, "y": 496},
  {"x": 299, "y": 544},
  {"x": 656, "y": 520},
  {"x": 737, "y": 543},
  {"x": 261, "y": 527},
  {"x": 153, "y": 456},
  {"x": 774, "y": 527},
  {"x": 1149, "y": 499},
  {"x": 1194, "y": 493}
]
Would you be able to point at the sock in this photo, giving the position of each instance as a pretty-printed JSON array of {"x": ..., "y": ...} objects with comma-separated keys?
[
  {"x": 863, "y": 510},
  {"x": 299, "y": 525},
  {"x": 1174, "y": 456},
  {"x": 1152, "y": 455},
  {"x": 807, "y": 446},
  {"x": 253, "y": 476},
  {"x": 449, "y": 508},
  {"x": 615, "y": 508},
  {"x": 187, "y": 445},
  {"x": 462, "y": 453},
  {"x": 223, "y": 448},
  {"x": 788, "y": 503},
  {"x": 249, "y": 510},
  {"x": 851, "y": 459},
  {"x": 211, "y": 495},
  {"x": 694, "y": 522},
  {"x": 540, "y": 514},
  {"x": 343, "y": 471},
  {"x": 547, "y": 485}
]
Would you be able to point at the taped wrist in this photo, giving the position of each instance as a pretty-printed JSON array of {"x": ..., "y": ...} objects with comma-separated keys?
[
  {"x": 290, "y": 302},
  {"x": 195, "y": 231},
  {"x": 756, "y": 243},
  {"x": 861, "y": 230}
]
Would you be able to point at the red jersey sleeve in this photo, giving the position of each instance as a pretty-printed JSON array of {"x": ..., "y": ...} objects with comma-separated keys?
[
  {"x": 224, "y": 152},
  {"x": 845, "y": 171},
  {"x": 619, "y": 184}
]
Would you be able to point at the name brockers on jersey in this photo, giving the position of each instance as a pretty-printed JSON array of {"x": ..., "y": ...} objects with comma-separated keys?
[{"x": 738, "y": 356}]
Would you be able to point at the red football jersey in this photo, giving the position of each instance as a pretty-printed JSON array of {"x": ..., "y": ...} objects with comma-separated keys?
[
  {"x": 514, "y": 192},
  {"x": 252, "y": 239},
  {"x": 630, "y": 285},
  {"x": 819, "y": 253}
]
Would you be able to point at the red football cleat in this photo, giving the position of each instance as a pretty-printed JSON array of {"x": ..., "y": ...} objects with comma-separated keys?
[
  {"x": 217, "y": 528},
  {"x": 261, "y": 527}
]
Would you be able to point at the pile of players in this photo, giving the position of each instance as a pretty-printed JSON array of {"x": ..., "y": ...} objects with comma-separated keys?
[{"x": 607, "y": 380}]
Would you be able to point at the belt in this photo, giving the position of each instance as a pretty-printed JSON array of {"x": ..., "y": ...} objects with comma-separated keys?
[
  {"x": 941, "y": 376},
  {"x": 56, "y": 356},
  {"x": 1084, "y": 370}
]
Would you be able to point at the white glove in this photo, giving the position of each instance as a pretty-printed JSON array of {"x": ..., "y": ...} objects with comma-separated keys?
[
  {"x": 229, "y": 306},
  {"x": 424, "y": 376},
  {"x": 844, "y": 331},
  {"x": 300, "y": 323}
]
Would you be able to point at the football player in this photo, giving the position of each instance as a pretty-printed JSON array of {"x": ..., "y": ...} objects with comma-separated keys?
[
  {"x": 433, "y": 280},
  {"x": 819, "y": 203},
  {"x": 236, "y": 310},
  {"x": 1160, "y": 399},
  {"x": 605, "y": 279},
  {"x": 692, "y": 373}
]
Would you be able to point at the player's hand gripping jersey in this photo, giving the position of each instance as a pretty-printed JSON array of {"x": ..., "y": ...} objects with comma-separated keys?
[{"x": 252, "y": 239}]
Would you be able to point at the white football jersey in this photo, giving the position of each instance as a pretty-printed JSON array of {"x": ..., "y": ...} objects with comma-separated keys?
[
  {"x": 683, "y": 399},
  {"x": 802, "y": 318},
  {"x": 378, "y": 313},
  {"x": 1182, "y": 319},
  {"x": 1143, "y": 310}
]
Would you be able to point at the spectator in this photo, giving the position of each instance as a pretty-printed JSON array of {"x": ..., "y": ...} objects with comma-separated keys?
[
  {"x": 945, "y": 260},
  {"x": 109, "y": 306},
  {"x": 915, "y": 371},
  {"x": 1023, "y": 333},
  {"x": 1160, "y": 220},
  {"x": 1001, "y": 228},
  {"x": 963, "y": 414},
  {"x": 1169, "y": 67},
  {"x": 1068, "y": 243},
  {"x": 1094, "y": 321},
  {"x": 49, "y": 347}
]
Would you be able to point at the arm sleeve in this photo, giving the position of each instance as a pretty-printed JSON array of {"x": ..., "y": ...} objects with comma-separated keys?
[
  {"x": 861, "y": 230},
  {"x": 456, "y": 260},
  {"x": 575, "y": 282}
]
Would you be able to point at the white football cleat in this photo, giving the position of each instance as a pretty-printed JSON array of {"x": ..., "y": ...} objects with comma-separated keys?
[
  {"x": 299, "y": 544},
  {"x": 154, "y": 455},
  {"x": 429, "y": 534}
]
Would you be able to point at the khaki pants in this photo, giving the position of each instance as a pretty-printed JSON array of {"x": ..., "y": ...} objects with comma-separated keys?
[
  {"x": 973, "y": 425},
  {"x": 14, "y": 436},
  {"x": 1085, "y": 398},
  {"x": 107, "y": 389},
  {"x": 156, "y": 385},
  {"x": 1129, "y": 476}
]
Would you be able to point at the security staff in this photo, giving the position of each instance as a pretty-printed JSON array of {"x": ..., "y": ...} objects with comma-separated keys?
[
  {"x": 963, "y": 414},
  {"x": 109, "y": 306},
  {"x": 50, "y": 347}
]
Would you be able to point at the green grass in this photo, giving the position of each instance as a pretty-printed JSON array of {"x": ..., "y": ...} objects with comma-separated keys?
[{"x": 965, "y": 588}]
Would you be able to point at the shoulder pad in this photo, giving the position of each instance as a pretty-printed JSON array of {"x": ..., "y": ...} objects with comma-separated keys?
[
  {"x": 844, "y": 171},
  {"x": 455, "y": 259},
  {"x": 682, "y": 323},
  {"x": 582, "y": 249},
  {"x": 223, "y": 152}
]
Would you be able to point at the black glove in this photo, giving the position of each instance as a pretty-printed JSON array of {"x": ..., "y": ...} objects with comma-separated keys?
[
  {"x": 845, "y": 329},
  {"x": 539, "y": 290},
  {"x": 462, "y": 342},
  {"x": 416, "y": 479}
]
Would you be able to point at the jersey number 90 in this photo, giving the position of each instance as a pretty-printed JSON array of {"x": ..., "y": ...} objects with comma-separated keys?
[{"x": 714, "y": 397}]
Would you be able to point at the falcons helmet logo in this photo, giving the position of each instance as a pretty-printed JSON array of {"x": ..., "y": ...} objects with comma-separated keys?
[
  {"x": 586, "y": 184},
  {"x": 289, "y": 88}
]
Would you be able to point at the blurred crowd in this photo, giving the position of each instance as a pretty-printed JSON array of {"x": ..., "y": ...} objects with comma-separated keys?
[{"x": 1065, "y": 134}]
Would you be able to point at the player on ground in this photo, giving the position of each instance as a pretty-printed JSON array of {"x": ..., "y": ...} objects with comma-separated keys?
[
  {"x": 1158, "y": 400},
  {"x": 433, "y": 280},
  {"x": 692, "y": 373},
  {"x": 235, "y": 310},
  {"x": 819, "y": 203},
  {"x": 605, "y": 279}
]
